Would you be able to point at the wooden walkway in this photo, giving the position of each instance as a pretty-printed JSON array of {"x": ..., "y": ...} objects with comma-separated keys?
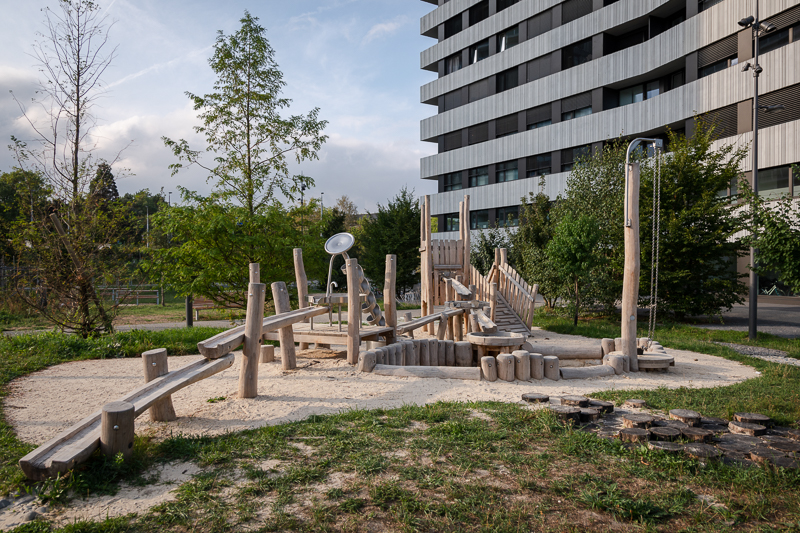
[
  {"x": 507, "y": 320},
  {"x": 329, "y": 334}
]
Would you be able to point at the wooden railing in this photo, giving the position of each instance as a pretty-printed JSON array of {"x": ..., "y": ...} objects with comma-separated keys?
[
  {"x": 520, "y": 296},
  {"x": 482, "y": 283}
]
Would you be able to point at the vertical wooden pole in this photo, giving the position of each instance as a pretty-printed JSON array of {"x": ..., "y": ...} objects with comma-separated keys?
[
  {"x": 353, "y": 311},
  {"x": 286, "y": 335},
  {"x": 458, "y": 326},
  {"x": 155, "y": 366},
  {"x": 255, "y": 273},
  {"x": 251, "y": 353},
  {"x": 503, "y": 256},
  {"x": 423, "y": 246},
  {"x": 116, "y": 429},
  {"x": 493, "y": 301},
  {"x": 630, "y": 280},
  {"x": 467, "y": 238},
  {"x": 431, "y": 281},
  {"x": 302, "y": 285},
  {"x": 389, "y": 290}
]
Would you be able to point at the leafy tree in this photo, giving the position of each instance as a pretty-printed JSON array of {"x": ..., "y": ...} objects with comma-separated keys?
[
  {"x": 346, "y": 207},
  {"x": 333, "y": 222},
  {"x": 394, "y": 229},
  {"x": 572, "y": 251},
  {"x": 23, "y": 195},
  {"x": 103, "y": 187},
  {"x": 482, "y": 248},
  {"x": 142, "y": 205}
]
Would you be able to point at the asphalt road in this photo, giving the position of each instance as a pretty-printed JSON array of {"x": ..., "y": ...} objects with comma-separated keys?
[{"x": 781, "y": 319}]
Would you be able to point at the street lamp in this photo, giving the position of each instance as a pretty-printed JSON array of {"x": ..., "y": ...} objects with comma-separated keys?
[
  {"x": 758, "y": 29},
  {"x": 321, "y": 205},
  {"x": 169, "y": 199}
]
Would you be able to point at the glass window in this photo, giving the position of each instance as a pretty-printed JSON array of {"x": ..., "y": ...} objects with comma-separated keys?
[
  {"x": 570, "y": 156},
  {"x": 653, "y": 89},
  {"x": 582, "y": 112},
  {"x": 774, "y": 182},
  {"x": 538, "y": 125},
  {"x": 506, "y": 172},
  {"x": 507, "y": 39},
  {"x": 507, "y": 80},
  {"x": 452, "y": 181},
  {"x": 676, "y": 80},
  {"x": 705, "y": 4},
  {"x": 451, "y": 222},
  {"x": 576, "y": 54},
  {"x": 452, "y": 63},
  {"x": 479, "y": 12},
  {"x": 722, "y": 64},
  {"x": 508, "y": 217},
  {"x": 503, "y": 4},
  {"x": 631, "y": 95},
  {"x": 479, "y": 176},
  {"x": 453, "y": 26},
  {"x": 773, "y": 41},
  {"x": 478, "y": 51},
  {"x": 479, "y": 219},
  {"x": 539, "y": 165}
]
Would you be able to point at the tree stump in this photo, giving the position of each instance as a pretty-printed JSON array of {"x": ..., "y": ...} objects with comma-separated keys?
[
  {"x": 535, "y": 397},
  {"x": 424, "y": 357},
  {"x": 433, "y": 352},
  {"x": 537, "y": 366},
  {"x": 575, "y": 401},
  {"x": 637, "y": 421},
  {"x": 753, "y": 418},
  {"x": 505, "y": 367},
  {"x": 694, "y": 434},
  {"x": 443, "y": 353},
  {"x": 664, "y": 446},
  {"x": 522, "y": 365},
  {"x": 155, "y": 366},
  {"x": 617, "y": 363},
  {"x": 589, "y": 415},
  {"x": 602, "y": 406},
  {"x": 664, "y": 433},
  {"x": 634, "y": 404},
  {"x": 743, "y": 428},
  {"x": 634, "y": 435},
  {"x": 566, "y": 413},
  {"x": 116, "y": 429},
  {"x": 608, "y": 346},
  {"x": 784, "y": 445},
  {"x": 366, "y": 361},
  {"x": 702, "y": 451},
  {"x": 463, "y": 353},
  {"x": 551, "y": 368},
  {"x": 267, "y": 353},
  {"x": 690, "y": 418},
  {"x": 489, "y": 368}
]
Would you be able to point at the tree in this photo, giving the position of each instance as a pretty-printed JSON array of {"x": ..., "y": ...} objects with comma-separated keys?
[
  {"x": 482, "y": 251},
  {"x": 572, "y": 251},
  {"x": 346, "y": 206},
  {"x": 334, "y": 222},
  {"x": 103, "y": 186},
  {"x": 394, "y": 229},
  {"x": 23, "y": 194}
]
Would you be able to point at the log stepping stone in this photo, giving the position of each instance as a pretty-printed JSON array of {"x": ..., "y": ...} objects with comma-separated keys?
[
  {"x": 637, "y": 421},
  {"x": 535, "y": 397},
  {"x": 589, "y": 415},
  {"x": 794, "y": 434},
  {"x": 716, "y": 428},
  {"x": 753, "y": 418},
  {"x": 720, "y": 421},
  {"x": 762, "y": 454},
  {"x": 635, "y": 404},
  {"x": 741, "y": 439},
  {"x": 575, "y": 401},
  {"x": 691, "y": 418},
  {"x": 784, "y": 445},
  {"x": 604, "y": 407},
  {"x": 738, "y": 450},
  {"x": 696, "y": 434},
  {"x": 677, "y": 424},
  {"x": 664, "y": 446},
  {"x": 566, "y": 413},
  {"x": 743, "y": 428},
  {"x": 654, "y": 361},
  {"x": 702, "y": 451},
  {"x": 786, "y": 462},
  {"x": 634, "y": 435},
  {"x": 664, "y": 434}
]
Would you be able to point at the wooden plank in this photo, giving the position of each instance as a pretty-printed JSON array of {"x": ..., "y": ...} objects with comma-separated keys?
[
  {"x": 486, "y": 324},
  {"x": 425, "y": 320},
  {"x": 302, "y": 283},
  {"x": 75, "y": 444},
  {"x": 461, "y": 290},
  {"x": 441, "y": 372},
  {"x": 224, "y": 343},
  {"x": 353, "y": 311}
]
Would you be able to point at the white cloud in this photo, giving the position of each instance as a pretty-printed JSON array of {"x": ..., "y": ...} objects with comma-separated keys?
[{"x": 384, "y": 28}]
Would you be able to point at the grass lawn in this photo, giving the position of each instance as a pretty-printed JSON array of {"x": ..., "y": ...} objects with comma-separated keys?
[{"x": 441, "y": 467}]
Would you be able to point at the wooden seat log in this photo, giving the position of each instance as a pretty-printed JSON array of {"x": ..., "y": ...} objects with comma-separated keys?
[
  {"x": 425, "y": 320},
  {"x": 155, "y": 366},
  {"x": 76, "y": 444},
  {"x": 116, "y": 429},
  {"x": 522, "y": 365},
  {"x": 280, "y": 296},
  {"x": 537, "y": 366},
  {"x": 489, "y": 368},
  {"x": 267, "y": 353},
  {"x": 505, "y": 367},
  {"x": 442, "y": 372},
  {"x": 463, "y": 353},
  {"x": 485, "y": 323}
]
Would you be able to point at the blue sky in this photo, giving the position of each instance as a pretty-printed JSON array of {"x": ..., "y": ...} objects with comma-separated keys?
[{"x": 357, "y": 60}]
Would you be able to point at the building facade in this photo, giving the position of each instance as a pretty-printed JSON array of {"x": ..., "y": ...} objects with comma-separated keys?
[{"x": 525, "y": 87}]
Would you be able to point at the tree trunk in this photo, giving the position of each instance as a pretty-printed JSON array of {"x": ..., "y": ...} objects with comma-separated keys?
[{"x": 577, "y": 303}]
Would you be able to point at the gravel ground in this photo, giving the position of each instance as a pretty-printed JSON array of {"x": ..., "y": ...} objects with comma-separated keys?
[{"x": 767, "y": 354}]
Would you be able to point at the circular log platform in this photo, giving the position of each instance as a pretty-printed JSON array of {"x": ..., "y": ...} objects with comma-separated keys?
[
  {"x": 784, "y": 445},
  {"x": 753, "y": 418},
  {"x": 693, "y": 434},
  {"x": 691, "y": 418},
  {"x": 501, "y": 339},
  {"x": 742, "y": 440},
  {"x": 736, "y": 448},
  {"x": 566, "y": 413},
  {"x": 786, "y": 462},
  {"x": 664, "y": 446},
  {"x": 575, "y": 401},
  {"x": 664, "y": 434},
  {"x": 702, "y": 451},
  {"x": 634, "y": 404},
  {"x": 655, "y": 361},
  {"x": 535, "y": 397},
  {"x": 589, "y": 415},
  {"x": 633, "y": 435},
  {"x": 743, "y": 428},
  {"x": 602, "y": 406},
  {"x": 637, "y": 421},
  {"x": 762, "y": 454}
]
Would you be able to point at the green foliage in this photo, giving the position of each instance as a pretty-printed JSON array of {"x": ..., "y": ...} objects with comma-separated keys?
[
  {"x": 482, "y": 253},
  {"x": 333, "y": 222},
  {"x": 22, "y": 193},
  {"x": 103, "y": 187},
  {"x": 394, "y": 229}
]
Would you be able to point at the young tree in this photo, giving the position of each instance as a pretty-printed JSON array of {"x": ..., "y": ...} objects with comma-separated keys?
[
  {"x": 346, "y": 206},
  {"x": 103, "y": 186},
  {"x": 572, "y": 251},
  {"x": 482, "y": 253}
]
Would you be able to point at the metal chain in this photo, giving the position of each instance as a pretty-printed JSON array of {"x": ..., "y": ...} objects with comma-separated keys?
[{"x": 655, "y": 250}]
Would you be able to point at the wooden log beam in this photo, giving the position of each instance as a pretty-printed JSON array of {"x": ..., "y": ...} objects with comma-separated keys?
[
  {"x": 302, "y": 284},
  {"x": 425, "y": 320},
  {"x": 251, "y": 353},
  {"x": 156, "y": 365},
  {"x": 485, "y": 323},
  {"x": 630, "y": 277},
  {"x": 281, "y": 298},
  {"x": 353, "y": 311},
  {"x": 389, "y": 289},
  {"x": 441, "y": 372},
  {"x": 570, "y": 351},
  {"x": 461, "y": 289}
]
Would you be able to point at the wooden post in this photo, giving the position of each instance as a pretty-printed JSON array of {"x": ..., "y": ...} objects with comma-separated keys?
[
  {"x": 281, "y": 297},
  {"x": 466, "y": 245},
  {"x": 424, "y": 251},
  {"x": 459, "y": 328},
  {"x": 505, "y": 366},
  {"x": 116, "y": 429},
  {"x": 503, "y": 256},
  {"x": 493, "y": 301},
  {"x": 389, "y": 289},
  {"x": 251, "y": 353},
  {"x": 155, "y": 366},
  {"x": 463, "y": 353},
  {"x": 255, "y": 273},
  {"x": 302, "y": 284},
  {"x": 496, "y": 276},
  {"x": 353, "y": 311},
  {"x": 537, "y": 366},
  {"x": 522, "y": 365},
  {"x": 630, "y": 279},
  {"x": 489, "y": 368},
  {"x": 450, "y": 353},
  {"x": 267, "y": 353},
  {"x": 431, "y": 281}
]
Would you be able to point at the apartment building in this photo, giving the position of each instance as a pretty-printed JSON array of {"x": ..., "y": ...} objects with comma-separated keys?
[{"x": 523, "y": 88}]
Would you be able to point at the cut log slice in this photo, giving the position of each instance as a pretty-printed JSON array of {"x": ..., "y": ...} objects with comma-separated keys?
[
  {"x": 652, "y": 361},
  {"x": 686, "y": 416},
  {"x": 794, "y": 434},
  {"x": 741, "y": 439},
  {"x": 634, "y": 435},
  {"x": 575, "y": 401},
  {"x": 720, "y": 421},
  {"x": 604, "y": 407},
  {"x": 733, "y": 449},
  {"x": 702, "y": 451},
  {"x": 637, "y": 421},
  {"x": 664, "y": 446},
  {"x": 716, "y": 428},
  {"x": 589, "y": 415},
  {"x": 566, "y": 413},
  {"x": 762, "y": 454},
  {"x": 786, "y": 462},
  {"x": 535, "y": 397},
  {"x": 743, "y": 428},
  {"x": 697, "y": 434},
  {"x": 784, "y": 445},
  {"x": 753, "y": 418},
  {"x": 677, "y": 424},
  {"x": 634, "y": 404},
  {"x": 664, "y": 434}
]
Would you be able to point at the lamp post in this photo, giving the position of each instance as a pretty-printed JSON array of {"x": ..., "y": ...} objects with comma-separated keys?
[{"x": 758, "y": 28}]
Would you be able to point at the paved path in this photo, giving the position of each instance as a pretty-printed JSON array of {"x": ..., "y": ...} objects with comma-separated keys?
[{"x": 781, "y": 319}]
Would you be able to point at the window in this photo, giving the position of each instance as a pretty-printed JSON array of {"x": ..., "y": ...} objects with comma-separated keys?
[
  {"x": 722, "y": 64},
  {"x": 452, "y": 100},
  {"x": 478, "y": 12},
  {"x": 479, "y": 51},
  {"x": 479, "y": 133},
  {"x": 575, "y": 9},
  {"x": 582, "y": 112},
  {"x": 451, "y": 222},
  {"x": 539, "y": 117},
  {"x": 479, "y": 176},
  {"x": 506, "y": 172},
  {"x": 773, "y": 41},
  {"x": 705, "y": 4},
  {"x": 508, "y": 217},
  {"x": 538, "y": 68},
  {"x": 540, "y": 24},
  {"x": 453, "y": 26},
  {"x": 452, "y": 141},
  {"x": 507, "y": 39},
  {"x": 452, "y": 63},
  {"x": 540, "y": 124},
  {"x": 676, "y": 79},
  {"x": 478, "y": 90},
  {"x": 774, "y": 182},
  {"x": 539, "y": 165},
  {"x": 639, "y": 92},
  {"x": 576, "y": 106},
  {"x": 452, "y": 181},
  {"x": 507, "y": 80},
  {"x": 479, "y": 219},
  {"x": 576, "y": 54},
  {"x": 570, "y": 156},
  {"x": 507, "y": 125},
  {"x": 504, "y": 4},
  {"x": 652, "y": 89}
]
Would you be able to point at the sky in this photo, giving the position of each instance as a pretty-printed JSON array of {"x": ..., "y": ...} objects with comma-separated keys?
[{"x": 356, "y": 60}]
